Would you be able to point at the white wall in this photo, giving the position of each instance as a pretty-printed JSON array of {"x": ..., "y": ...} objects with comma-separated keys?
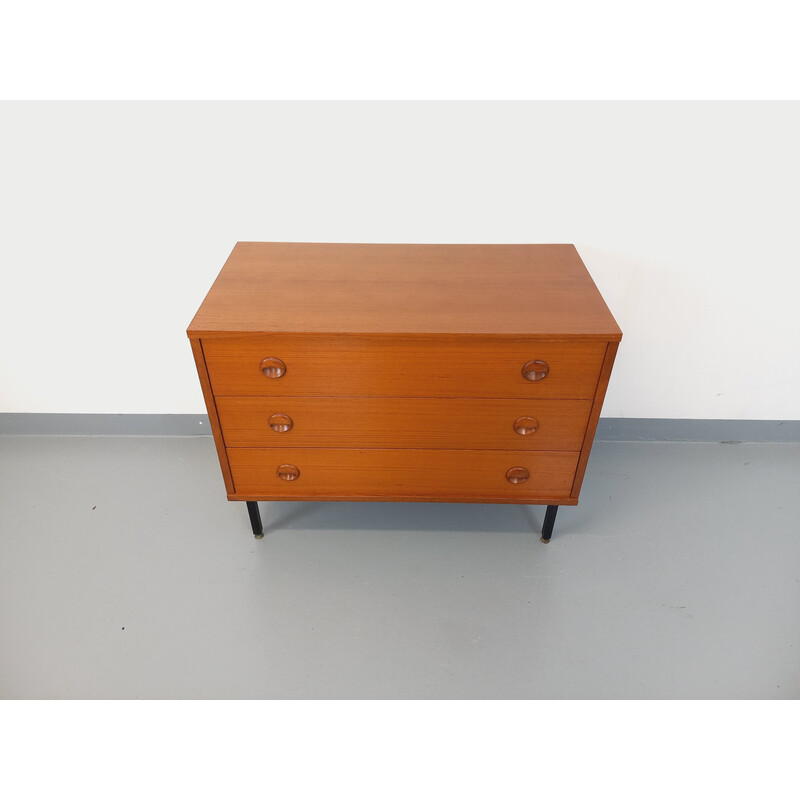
[{"x": 115, "y": 218}]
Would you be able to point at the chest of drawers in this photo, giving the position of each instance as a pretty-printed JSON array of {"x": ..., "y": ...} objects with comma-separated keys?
[{"x": 471, "y": 373}]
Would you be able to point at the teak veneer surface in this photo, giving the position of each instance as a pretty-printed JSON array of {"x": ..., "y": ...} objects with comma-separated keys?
[
  {"x": 211, "y": 407},
  {"x": 402, "y": 366},
  {"x": 392, "y": 422},
  {"x": 400, "y": 370},
  {"x": 523, "y": 289},
  {"x": 465, "y": 474},
  {"x": 594, "y": 418}
]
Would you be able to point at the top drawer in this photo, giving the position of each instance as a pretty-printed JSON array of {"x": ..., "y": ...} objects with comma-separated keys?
[{"x": 408, "y": 366}]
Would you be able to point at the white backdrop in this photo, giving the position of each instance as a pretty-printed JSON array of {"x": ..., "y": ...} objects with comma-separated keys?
[{"x": 116, "y": 217}]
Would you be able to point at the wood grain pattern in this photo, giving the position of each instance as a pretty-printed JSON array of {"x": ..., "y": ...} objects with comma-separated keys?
[
  {"x": 513, "y": 289},
  {"x": 594, "y": 418},
  {"x": 402, "y": 366},
  {"x": 391, "y": 422},
  {"x": 395, "y": 372},
  {"x": 213, "y": 418},
  {"x": 407, "y": 498},
  {"x": 419, "y": 473}
]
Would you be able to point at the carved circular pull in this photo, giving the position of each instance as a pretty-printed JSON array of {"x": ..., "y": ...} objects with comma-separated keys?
[
  {"x": 535, "y": 370},
  {"x": 517, "y": 475},
  {"x": 525, "y": 426},
  {"x": 280, "y": 423},
  {"x": 273, "y": 367},
  {"x": 288, "y": 472}
]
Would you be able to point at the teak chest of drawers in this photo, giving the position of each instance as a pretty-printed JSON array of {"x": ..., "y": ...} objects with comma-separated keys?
[{"x": 411, "y": 372}]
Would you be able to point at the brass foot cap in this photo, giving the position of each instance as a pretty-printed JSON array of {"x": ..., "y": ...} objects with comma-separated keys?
[
  {"x": 258, "y": 535},
  {"x": 546, "y": 541}
]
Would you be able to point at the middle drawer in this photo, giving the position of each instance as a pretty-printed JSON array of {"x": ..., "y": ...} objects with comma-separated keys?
[{"x": 401, "y": 422}]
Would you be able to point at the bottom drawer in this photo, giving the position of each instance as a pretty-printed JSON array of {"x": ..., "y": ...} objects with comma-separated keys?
[{"x": 334, "y": 473}]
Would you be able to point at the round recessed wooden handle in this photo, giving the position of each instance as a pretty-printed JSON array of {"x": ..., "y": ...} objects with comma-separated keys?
[
  {"x": 288, "y": 472},
  {"x": 273, "y": 367},
  {"x": 517, "y": 475},
  {"x": 525, "y": 426},
  {"x": 535, "y": 370},
  {"x": 280, "y": 423}
]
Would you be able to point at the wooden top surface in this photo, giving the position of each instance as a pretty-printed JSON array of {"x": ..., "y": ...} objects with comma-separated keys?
[{"x": 506, "y": 289}]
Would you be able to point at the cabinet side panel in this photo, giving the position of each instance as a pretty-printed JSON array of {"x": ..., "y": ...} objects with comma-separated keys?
[
  {"x": 211, "y": 407},
  {"x": 594, "y": 417}
]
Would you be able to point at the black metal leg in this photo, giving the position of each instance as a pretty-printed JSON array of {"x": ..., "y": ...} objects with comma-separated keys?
[
  {"x": 255, "y": 519},
  {"x": 549, "y": 521}
]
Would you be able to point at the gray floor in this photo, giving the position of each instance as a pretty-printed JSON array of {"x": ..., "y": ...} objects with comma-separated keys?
[{"x": 125, "y": 573}]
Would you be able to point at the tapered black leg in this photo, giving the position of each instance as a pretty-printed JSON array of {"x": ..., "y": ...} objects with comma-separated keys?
[
  {"x": 549, "y": 521},
  {"x": 255, "y": 519}
]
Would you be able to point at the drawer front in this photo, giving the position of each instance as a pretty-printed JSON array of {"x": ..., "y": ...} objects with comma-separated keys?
[
  {"x": 391, "y": 366},
  {"x": 392, "y": 422},
  {"x": 482, "y": 474}
]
